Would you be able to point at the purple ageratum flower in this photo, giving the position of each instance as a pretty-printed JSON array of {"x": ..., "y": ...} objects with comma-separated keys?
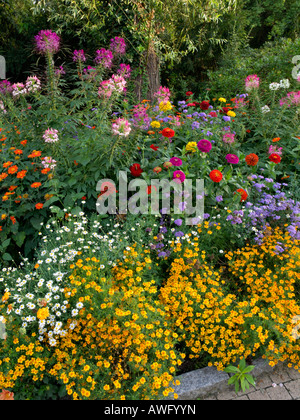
[
  {"x": 226, "y": 118},
  {"x": 178, "y": 222},
  {"x": 176, "y": 161},
  {"x": 78, "y": 55},
  {"x": 47, "y": 41},
  {"x": 179, "y": 234},
  {"x": 104, "y": 58},
  {"x": 219, "y": 198},
  {"x": 118, "y": 45},
  {"x": 204, "y": 145},
  {"x": 179, "y": 177},
  {"x": 232, "y": 159}
]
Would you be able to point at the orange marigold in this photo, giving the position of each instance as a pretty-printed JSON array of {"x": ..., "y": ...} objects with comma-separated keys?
[
  {"x": 21, "y": 174},
  {"x": 13, "y": 169}
]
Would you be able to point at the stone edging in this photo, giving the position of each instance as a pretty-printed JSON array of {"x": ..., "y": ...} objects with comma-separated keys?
[{"x": 200, "y": 383}]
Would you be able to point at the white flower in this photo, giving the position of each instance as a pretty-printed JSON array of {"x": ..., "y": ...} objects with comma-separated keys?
[
  {"x": 265, "y": 109},
  {"x": 274, "y": 86},
  {"x": 284, "y": 83}
]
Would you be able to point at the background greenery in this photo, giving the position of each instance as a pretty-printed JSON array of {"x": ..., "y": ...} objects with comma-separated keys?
[{"x": 193, "y": 40}]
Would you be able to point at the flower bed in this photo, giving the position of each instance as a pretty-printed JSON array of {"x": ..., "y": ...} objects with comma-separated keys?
[{"x": 111, "y": 306}]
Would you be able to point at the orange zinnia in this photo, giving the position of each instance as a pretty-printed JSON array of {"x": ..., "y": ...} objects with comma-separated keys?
[
  {"x": 243, "y": 194},
  {"x": 18, "y": 152},
  {"x": 276, "y": 139},
  {"x": 45, "y": 171},
  {"x": 23, "y": 142},
  {"x": 252, "y": 159},
  {"x": 36, "y": 185},
  {"x": 13, "y": 169},
  {"x": 7, "y": 164},
  {"x": 21, "y": 174},
  {"x": 35, "y": 153},
  {"x": 39, "y": 206},
  {"x": 216, "y": 175},
  {"x": 3, "y": 176}
]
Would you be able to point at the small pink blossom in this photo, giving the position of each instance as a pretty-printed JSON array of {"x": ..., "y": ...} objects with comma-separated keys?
[{"x": 121, "y": 127}]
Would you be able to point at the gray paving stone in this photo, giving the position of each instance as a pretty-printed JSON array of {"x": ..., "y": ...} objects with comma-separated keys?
[
  {"x": 200, "y": 382},
  {"x": 261, "y": 394},
  {"x": 293, "y": 388},
  {"x": 293, "y": 373},
  {"x": 278, "y": 393}
]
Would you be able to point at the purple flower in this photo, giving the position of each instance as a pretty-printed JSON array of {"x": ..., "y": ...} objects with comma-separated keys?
[
  {"x": 176, "y": 161},
  {"x": 125, "y": 70},
  {"x": 226, "y": 118},
  {"x": 219, "y": 198},
  {"x": 182, "y": 206},
  {"x": 104, "y": 57},
  {"x": 118, "y": 45},
  {"x": 232, "y": 159},
  {"x": 47, "y": 41},
  {"x": 178, "y": 222},
  {"x": 204, "y": 145},
  {"x": 78, "y": 55},
  {"x": 179, "y": 234}
]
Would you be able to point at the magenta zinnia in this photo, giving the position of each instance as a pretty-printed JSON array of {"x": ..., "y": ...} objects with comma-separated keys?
[{"x": 204, "y": 145}]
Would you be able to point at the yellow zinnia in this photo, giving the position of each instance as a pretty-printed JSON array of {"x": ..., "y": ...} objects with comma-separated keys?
[
  {"x": 165, "y": 106},
  {"x": 191, "y": 146},
  {"x": 155, "y": 124}
]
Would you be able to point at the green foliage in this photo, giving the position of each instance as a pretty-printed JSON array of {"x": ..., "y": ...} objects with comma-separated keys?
[{"x": 241, "y": 377}]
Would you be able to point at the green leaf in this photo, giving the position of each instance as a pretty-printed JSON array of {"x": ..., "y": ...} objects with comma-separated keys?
[
  {"x": 50, "y": 201},
  {"x": 20, "y": 238},
  {"x": 231, "y": 369},
  {"x": 7, "y": 257}
]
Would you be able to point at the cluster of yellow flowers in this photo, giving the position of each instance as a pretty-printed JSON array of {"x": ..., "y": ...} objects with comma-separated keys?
[
  {"x": 244, "y": 309},
  {"x": 122, "y": 342}
]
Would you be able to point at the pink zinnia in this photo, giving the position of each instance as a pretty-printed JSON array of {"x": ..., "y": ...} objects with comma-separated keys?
[
  {"x": 204, "y": 145},
  {"x": 176, "y": 161},
  {"x": 251, "y": 82},
  {"x": 179, "y": 176},
  {"x": 228, "y": 138},
  {"x": 47, "y": 41},
  {"x": 232, "y": 159}
]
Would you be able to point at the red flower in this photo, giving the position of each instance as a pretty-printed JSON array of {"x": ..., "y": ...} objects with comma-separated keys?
[
  {"x": 191, "y": 104},
  {"x": 243, "y": 193},
  {"x": 213, "y": 114},
  {"x": 149, "y": 189},
  {"x": 153, "y": 147},
  {"x": 216, "y": 175},
  {"x": 168, "y": 132},
  {"x": 204, "y": 105},
  {"x": 224, "y": 110},
  {"x": 189, "y": 93},
  {"x": 39, "y": 206},
  {"x": 136, "y": 169},
  {"x": 274, "y": 157}
]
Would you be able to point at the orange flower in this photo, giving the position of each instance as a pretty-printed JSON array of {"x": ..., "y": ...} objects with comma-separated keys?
[
  {"x": 276, "y": 139},
  {"x": 23, "y": 142},
  {"x": 3, "y": 176},
  {"x": 7, "y": 164},
  {"x": 45, "y": 171},
  {"x": 13, "y": 169},
  {"x": 21, "y": 174},
  {"x": 18, "y": 152},
  {"x": 216, "y": 175},
  {"x": 36, "y": 185},
  {"x": 243, "y": 193},
  {"x": 12, "y": 188},
  {"x": 35, "y": 153},
  {"x": 13, "y": 219},
  {"x": 252, "y": 159},
  {"x": 39, "y": 206}
]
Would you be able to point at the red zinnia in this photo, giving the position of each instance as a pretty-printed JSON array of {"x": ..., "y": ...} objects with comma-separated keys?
[
  {"x": 168, "y": 132},
  {"x": 189, "y": 93},
  {"x": 216, "y": 175},
  {"x": 204, "y": 105},
  {"x": 136, "y": 169},
  {"x": 153, "y": 147},
  {"x": 243, "y": 193},
  {"x": 252, "y": 159},
  {"x": 274, "y": 157}
]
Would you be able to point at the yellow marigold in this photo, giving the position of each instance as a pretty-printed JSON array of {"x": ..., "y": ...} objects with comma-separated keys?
[
  {"x": 155, "y": 124},
  {"x": 165, "y": 106},
  {"x": 43, "y": 313},
  {"x": 191, "y": 146},
  {"x": 231, "y": 114}
]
